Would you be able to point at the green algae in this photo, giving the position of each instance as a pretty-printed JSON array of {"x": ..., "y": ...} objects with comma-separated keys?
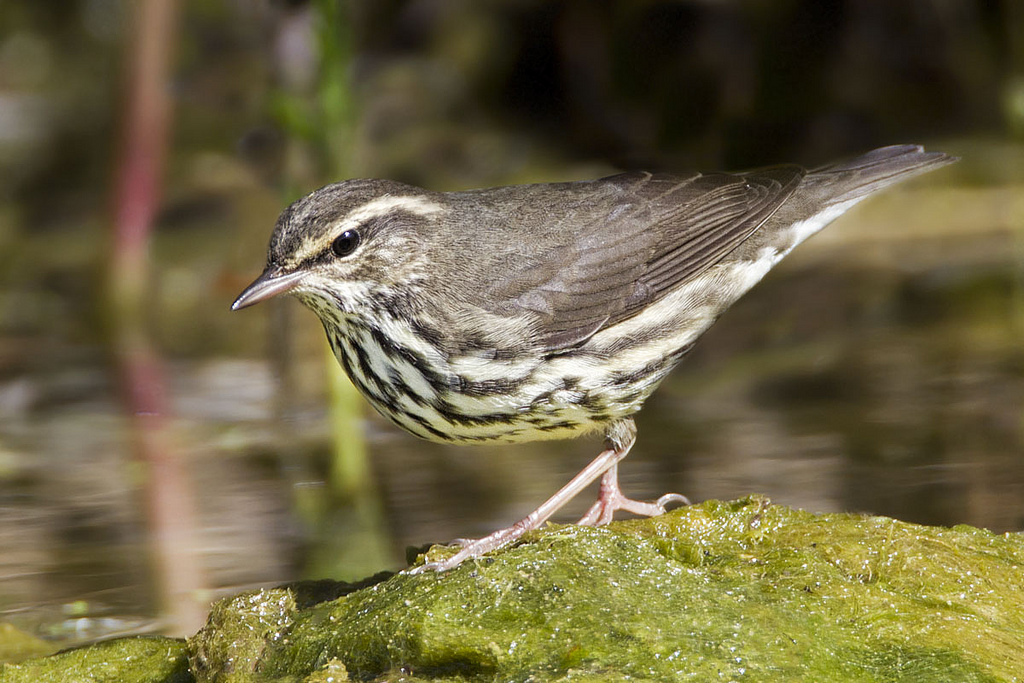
[
  {"x": 719, "y": 591},
  {"x": 712, "y": 592},
  {"x": 245, "y": 626},
  {"x": 140, "y": 659}
]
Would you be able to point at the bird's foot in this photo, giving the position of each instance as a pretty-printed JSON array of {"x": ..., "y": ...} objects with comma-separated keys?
[
  {"x": 604, "y": 509},
  {"x": 610, "y": 499},
  {"x": 600, "y": 513},
  {"x": 476, "y": 547}
]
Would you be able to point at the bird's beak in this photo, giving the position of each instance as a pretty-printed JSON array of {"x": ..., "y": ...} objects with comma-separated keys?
[{"x": 272, "y": 282}]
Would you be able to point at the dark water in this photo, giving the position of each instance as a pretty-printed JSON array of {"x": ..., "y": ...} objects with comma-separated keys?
[{"x": 891, "y": 385}]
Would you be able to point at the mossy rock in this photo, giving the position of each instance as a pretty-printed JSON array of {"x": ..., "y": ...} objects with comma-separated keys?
[
  {"x": 140, "y": 659},
  {"x": 717, "y": 591}
]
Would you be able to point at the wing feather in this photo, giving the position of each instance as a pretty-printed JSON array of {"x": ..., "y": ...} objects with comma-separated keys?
[{"x": 656, "y": 232}]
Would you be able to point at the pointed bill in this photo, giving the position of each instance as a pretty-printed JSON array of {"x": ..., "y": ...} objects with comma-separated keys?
[{"x": 271, "y": 283}]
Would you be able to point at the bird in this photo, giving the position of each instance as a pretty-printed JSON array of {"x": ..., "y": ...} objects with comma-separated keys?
[{"x": 545, "y": 311}]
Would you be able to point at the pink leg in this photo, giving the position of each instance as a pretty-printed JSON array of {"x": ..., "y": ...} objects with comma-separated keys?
[
  {"x": 618, "y": 440},
  {"x": 610, "y": 499},
  {"x": 615, "y": 451}
]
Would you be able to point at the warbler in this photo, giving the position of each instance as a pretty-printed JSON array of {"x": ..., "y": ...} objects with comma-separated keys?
[{"x": 545, "y": 311}]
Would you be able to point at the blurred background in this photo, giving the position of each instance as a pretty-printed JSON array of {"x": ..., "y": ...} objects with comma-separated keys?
[{"x": 158, "y": 451}]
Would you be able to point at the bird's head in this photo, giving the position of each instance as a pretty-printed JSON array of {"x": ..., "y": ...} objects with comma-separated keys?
[{"x": 346, "y": 244}]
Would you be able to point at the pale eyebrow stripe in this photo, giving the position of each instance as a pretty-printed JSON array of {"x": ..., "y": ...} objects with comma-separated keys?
[
  {"x": 375, "y": 208},
  {"x": 382, "y": 205}
]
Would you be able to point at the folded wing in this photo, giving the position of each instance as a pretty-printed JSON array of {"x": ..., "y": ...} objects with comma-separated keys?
[{"x": 642, "y": 237}]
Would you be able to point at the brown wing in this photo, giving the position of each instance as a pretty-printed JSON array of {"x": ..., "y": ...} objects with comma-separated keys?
[{"x": 642, "y": 238}]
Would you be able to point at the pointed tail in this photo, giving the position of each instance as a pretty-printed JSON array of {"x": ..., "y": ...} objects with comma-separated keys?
[{"x": 857, "y": 178}]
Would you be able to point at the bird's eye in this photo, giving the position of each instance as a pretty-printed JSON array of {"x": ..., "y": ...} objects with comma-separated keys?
[{"x": 345, "y": 243}]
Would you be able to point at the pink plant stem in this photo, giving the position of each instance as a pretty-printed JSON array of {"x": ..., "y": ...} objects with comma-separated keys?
[{"x": 170, "y": 504}]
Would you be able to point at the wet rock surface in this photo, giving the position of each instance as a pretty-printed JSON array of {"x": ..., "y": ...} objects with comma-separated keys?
[{"x": 716, "y": 591}]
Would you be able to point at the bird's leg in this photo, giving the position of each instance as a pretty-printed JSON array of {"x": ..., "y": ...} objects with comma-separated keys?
[
  {"x": 610, "y": 497},
  {"x": 618, "y": 440}
]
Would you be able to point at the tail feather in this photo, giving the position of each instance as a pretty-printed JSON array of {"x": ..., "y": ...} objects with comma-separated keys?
[
  {"x": 858, "y": 177},
  {"x": 829, "y": 191}
]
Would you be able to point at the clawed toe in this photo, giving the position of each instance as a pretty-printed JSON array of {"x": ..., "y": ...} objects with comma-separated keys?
[
  {"x": 610, "y": 500},
  {"x": 445, "y": 564},
  {"x": 606, "y": 507},
  {"x": 480, "y": 546},
  {"x": 672, "y": 498}
]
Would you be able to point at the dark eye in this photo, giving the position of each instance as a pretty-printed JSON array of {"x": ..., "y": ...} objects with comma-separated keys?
[{"x": 345, "y": 243}]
